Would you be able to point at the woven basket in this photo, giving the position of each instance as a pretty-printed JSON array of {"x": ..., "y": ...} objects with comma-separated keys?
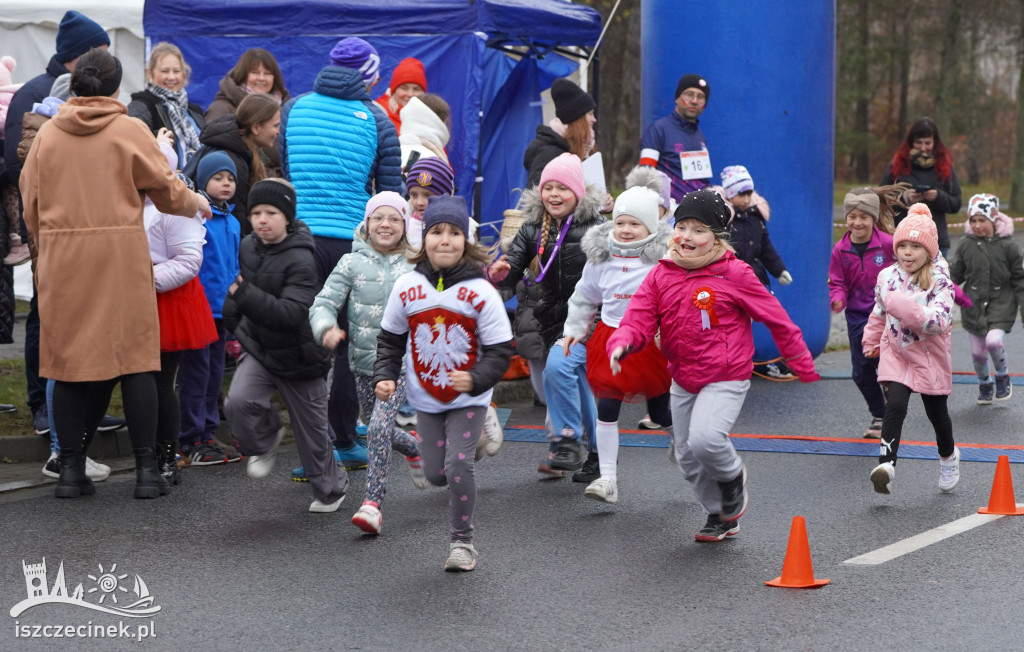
[{"x": 510, "y": 226}]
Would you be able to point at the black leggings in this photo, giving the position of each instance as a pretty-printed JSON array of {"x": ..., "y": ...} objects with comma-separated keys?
[
  {"x": 78, "y": 408},
  {"x": 168, "y": 413},
  {"x": 898, "y": 396},
  {"x": 657, "y": 407}
]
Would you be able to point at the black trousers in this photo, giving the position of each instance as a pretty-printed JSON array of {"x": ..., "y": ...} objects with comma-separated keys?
[{"x": 896, "y": 412}]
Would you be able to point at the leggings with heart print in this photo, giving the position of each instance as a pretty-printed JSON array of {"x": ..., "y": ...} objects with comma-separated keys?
[{"x": 448, "y": 447}]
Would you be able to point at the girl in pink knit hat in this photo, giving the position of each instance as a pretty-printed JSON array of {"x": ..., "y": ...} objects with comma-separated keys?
[{"x": 909, "y": 331}]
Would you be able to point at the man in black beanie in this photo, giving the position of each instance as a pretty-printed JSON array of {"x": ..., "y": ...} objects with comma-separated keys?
[{"x": 675, "y": 144}]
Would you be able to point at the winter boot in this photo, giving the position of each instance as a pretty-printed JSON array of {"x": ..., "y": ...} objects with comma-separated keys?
[
  {"x": 167, "y": 461},
  {"x": 73, "y": 482},
  {"x": 149, "y": 483}
]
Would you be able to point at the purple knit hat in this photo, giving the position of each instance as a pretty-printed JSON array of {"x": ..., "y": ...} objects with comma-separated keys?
[
  {"x": 432, "y": 174},
  {"x": 359, "y": 55}
]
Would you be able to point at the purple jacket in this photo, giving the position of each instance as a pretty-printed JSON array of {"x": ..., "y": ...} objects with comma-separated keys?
[
  {"x": 852, "y": 277},
  {"x": 699, "y": 356}
]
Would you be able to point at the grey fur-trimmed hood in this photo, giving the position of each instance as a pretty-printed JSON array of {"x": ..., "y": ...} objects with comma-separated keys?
[
  {"x": 588, "y": 209},
  {"x": 596, "y": 244}
]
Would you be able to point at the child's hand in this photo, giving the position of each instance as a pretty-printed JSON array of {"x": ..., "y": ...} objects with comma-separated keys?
[
  {"x": 617, "y": 355},
  {"x": 567, "y": 343},
  {"x": 234, "y": 286},
  {"x": 871, "y": 352},
  {"x": 499, "y": 269},
  {"x": 165, "y": 136},
  {"x": 384, "y": 389},
  {"x": 607, "y": 204},
  {"x": 837, "y": 306},
  {"x": 462, "y": 381},
  {"x": 332, "y": 338}
]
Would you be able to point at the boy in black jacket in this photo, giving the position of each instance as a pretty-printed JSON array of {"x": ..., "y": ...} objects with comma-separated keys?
[{"x": 267, "y": 309}]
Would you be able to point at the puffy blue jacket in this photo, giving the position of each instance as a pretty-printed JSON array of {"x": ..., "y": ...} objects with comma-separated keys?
[
  {"x": 220, "y": 257},
  {"x": 337, "y": 145}
]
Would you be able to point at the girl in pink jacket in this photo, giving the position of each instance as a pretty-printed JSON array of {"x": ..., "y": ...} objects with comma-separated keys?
[
  {"x": 909, "y": 332},
  {"x": 702, "y": 298}
]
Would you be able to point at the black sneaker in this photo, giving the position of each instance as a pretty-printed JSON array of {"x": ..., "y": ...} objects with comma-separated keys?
[
  {"x": 109, "y": 422},
  {"x": 591, "y": 469},
  {"x": 567, "y": 455},
  {"x": 716, "y": 530},
  {"x": 1004, "y": 388},
  {"x": 734, "y": 497},
  {"x": 230, "y": 453},
  {"x": 986, "y": 392},
  {"x": 206, "y": 455}
]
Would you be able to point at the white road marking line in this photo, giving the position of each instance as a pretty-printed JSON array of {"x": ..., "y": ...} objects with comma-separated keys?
[{"x": 900, "y": 548}]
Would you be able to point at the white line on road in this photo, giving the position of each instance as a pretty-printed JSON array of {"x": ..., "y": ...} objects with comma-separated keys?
[{"x": 900, "y": 548}]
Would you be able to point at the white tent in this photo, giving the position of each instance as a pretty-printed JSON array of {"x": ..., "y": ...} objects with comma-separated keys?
[{"x": 28, "y": 32}]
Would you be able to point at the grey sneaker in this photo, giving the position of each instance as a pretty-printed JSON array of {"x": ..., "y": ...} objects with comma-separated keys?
[
  {"x": 734, "y": 496},
  {"x": 716, "y": 530},
  {"x": 461, "y": 557},
  {"x": 986, "y": 392},
  {"x": 1004, "y": 388}
]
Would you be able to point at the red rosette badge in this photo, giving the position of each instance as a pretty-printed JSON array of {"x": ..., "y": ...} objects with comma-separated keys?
[{"x": 704, "y": 299}]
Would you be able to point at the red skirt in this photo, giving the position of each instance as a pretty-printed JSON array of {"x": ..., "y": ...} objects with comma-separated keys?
[
  {"x": 185, "y": 318},
  {"x": 644, "y": 373}
]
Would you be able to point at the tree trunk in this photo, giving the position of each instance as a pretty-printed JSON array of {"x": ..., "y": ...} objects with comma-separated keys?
[
  {"x": 949, "y": 67},
  {"x": 1017, "y": 174},
  {"x": 861, "y": 116},
  {"x": 904, "y": 74}
]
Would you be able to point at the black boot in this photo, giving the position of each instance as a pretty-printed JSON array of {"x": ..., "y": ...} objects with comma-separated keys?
[
  {"x": 591, "y": 469},
  {"x": 148, "y": 481},
  {"x": 167, "y": 462},
  {"x": 73, "y": 481}
]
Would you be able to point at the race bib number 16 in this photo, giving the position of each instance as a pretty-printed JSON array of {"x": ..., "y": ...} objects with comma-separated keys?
[{"x": 696, "y": 165}]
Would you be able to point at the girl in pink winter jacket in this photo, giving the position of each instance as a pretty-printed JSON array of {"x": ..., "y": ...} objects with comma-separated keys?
[
  {"x": 909, "y": 332},
  {"x": 702, "y": 298}
]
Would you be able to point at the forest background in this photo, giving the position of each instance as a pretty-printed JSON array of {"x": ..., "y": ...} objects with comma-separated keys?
[{"x": 896, "y": 61}]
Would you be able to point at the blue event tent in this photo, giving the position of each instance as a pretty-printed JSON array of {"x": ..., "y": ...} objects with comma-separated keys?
[{"x": 471, "y": 49}]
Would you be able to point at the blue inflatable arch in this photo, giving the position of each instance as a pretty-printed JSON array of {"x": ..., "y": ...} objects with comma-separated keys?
[{"x": 770, "y": 66}]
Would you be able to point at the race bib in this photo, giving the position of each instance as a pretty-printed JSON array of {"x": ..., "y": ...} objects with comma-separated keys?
[{"x": 696, "y": 165}]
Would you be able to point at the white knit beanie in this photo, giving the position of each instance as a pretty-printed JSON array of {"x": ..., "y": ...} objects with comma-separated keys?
[{"x": 640, "y": 202}]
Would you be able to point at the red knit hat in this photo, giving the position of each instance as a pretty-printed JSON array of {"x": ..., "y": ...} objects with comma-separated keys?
[
  {"x": 918, "y": 226},
  {"x": 408, "y": 71}
]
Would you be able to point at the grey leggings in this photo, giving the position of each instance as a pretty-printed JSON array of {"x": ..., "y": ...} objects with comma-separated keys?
[{"x": 448, "y": 449}]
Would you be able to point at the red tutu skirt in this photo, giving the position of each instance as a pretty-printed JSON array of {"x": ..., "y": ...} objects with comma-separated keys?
[
  {"x": 185, "y": 318},
  {"x": 644, "y": 373}
]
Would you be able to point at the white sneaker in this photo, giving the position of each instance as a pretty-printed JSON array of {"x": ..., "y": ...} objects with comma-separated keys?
[
  {"x": 52, "y": 467},
  {"x": 419, "y": 479},
  {"x": 648, "y": 424},
  {"x": 97, "y": 472},
  {"x": 883, "y": 475},
  {"x": 949, "y": 471},
  {"x": 259, "y": 466},
  {"x": 405, "y": 421},
  {"x": 461, "y": 557},
  {"x": 368, "y": 518},
  {"x": 604, "y": 489},
  {"x": 492, "y": 436},
  {"x": 318, "y": 507}
]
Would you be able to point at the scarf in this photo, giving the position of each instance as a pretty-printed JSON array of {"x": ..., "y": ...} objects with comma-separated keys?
[
  {"x": 716, "y": 252},
  {"x": 184, "y": 129},
  {"x": 921, "y": 159},
  {"x": 276, "y": 94}
]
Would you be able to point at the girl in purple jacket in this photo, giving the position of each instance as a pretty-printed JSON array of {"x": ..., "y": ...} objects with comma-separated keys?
[
  {"x": 702, "y": 298},
  {"x": 858, "y": 257}
]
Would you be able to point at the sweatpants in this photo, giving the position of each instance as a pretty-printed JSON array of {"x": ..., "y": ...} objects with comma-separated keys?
[
  {"x": 700, "y": 430},
  {"x": 896, "y": 413},
  {"x": 982, "y": 346},
  {"x": 200, "y": 374},
  {"x": 382, "y": 435},
  {"x": 448, "y": 448},
  {"x": 255, "y": 422},
  {"x": 865, "y": 370}
]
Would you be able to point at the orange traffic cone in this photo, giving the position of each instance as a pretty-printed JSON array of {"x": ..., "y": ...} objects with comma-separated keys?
[
  {"x": 1002, "y": 501},
  {"x": 797, "y": 572}
]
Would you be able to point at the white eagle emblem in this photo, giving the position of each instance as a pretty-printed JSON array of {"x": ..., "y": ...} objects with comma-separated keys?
[{"x": 439, "y": 350}]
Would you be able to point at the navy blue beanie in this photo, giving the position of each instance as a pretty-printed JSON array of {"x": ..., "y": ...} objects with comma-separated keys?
[
  {"x": 443, "y": 208},
  {"x": 210, "y": 165},
  {"x": 77, "y": 34}
]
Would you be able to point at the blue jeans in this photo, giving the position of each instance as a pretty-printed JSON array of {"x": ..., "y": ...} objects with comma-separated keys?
[{"x": 570, "y": 402}]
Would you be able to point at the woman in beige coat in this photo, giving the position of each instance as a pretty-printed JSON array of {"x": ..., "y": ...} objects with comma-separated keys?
[{"x": 82, "y": 186}]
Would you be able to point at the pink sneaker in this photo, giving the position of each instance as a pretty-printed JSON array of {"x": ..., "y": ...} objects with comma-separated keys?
[{"x": 19, "y": 255}]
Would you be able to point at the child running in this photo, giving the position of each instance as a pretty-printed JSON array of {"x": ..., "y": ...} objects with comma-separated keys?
[
  {"x": 363, "y": 281},
  {"x": 702, "y": 298},
  {"x": 267, "y": 309},
  {"x": 451, "y": 327},
  {"x": 863, "y": 251},
  {"x": 619, "y": 253},
  {"x": 989, "y": 267},
  {"x": 908, "y": 332}
]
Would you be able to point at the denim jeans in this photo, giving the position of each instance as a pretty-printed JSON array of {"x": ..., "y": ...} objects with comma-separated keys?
[{"x": 570, "y": 402}]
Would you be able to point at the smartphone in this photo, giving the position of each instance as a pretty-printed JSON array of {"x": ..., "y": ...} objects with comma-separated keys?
[{"x": 922, "y": 189}]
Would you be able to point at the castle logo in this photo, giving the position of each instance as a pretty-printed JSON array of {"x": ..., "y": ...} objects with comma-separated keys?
[{"x": 109, "y": 594}]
